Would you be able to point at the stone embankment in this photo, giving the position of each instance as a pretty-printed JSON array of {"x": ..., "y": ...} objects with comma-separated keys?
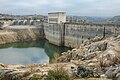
[
  {"x": 102, "y": 56},
  {"x": 26, "y": 72},
  {"x": 20, "y": 33}
]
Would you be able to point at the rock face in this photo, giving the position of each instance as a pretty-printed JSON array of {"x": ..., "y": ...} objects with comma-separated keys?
[
  {"x": 8, "y": 37},
  {"x": 109, "y": 58},
  {"x": 26, "y": 72},
  {"x": 17, "y": 34},
  {"x": 102, "y": 55}
]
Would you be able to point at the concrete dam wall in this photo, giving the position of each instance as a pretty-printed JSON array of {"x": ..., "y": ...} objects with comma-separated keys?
[
  {"x": 72, "y": 35},
  {"x": 54, "y": 33}
]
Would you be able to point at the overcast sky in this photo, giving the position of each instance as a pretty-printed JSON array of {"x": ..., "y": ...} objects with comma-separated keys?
[{"x": 72, "y": 7}]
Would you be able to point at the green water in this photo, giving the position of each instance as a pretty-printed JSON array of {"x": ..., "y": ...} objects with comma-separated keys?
[{"x": 29, "y": 52}]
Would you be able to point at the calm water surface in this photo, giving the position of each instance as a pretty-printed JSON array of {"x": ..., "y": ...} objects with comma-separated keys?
[{"x": 29, "y": 52}]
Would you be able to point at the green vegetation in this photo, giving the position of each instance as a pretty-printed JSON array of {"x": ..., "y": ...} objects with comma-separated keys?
[
  {"x": 83, "y": 72},
  {"x": 55, "y": 57},
  {"x": 37, "y": 77},
  {"x": 57, "y": 75}
]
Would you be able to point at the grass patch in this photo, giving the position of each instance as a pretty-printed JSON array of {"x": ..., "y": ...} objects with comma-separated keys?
[{"x": 57, "y": 75}]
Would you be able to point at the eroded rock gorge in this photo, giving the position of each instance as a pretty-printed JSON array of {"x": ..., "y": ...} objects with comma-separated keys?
[{"x": 10, "y": 35}]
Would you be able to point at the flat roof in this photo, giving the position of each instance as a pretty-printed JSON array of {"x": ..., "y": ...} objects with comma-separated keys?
[{"x": 56, "y": 12}]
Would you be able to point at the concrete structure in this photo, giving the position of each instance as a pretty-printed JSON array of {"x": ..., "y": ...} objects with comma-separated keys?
[
  {"x": 23, "y": 22},
  {"x": 59, "y": 32},
  {"x": 54, "y": 33},
  {"x": 72, "y": 35},
  {"x": 57, "y": 17},
  {"x": 1, "y": 16},
  {"x": 69, "y": 34}
]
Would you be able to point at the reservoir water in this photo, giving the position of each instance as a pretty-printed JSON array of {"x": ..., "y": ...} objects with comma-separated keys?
[{"x": 29, "y": 52}]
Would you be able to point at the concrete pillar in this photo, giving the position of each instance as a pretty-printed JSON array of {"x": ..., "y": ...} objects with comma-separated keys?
[
  {"x": 115, "y": 31},
  {"x": 104, "y": 31},
  {"x": 62, "y": 30}
]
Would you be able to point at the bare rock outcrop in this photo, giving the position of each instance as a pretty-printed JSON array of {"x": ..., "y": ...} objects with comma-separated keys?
[
  {"x": 99, "y": 55},
  {"x": 10, "y": 35}
]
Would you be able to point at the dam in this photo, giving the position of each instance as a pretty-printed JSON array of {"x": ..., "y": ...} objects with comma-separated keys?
[
  {"x": 72, "y": 34},
  {"x": 57, "y": 36},
  {"x": 60, "y": 34}
]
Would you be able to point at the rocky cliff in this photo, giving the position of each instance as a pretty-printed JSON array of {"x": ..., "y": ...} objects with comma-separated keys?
[{"x": 20, "y": 34}]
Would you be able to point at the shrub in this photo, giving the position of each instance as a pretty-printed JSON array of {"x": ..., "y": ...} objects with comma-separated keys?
[
  {"x": 84, "y": 72},
  {"x": 37, "y": 77},
  {"x": 57, "y": 75},
  {"x": 55, "y": 57}
]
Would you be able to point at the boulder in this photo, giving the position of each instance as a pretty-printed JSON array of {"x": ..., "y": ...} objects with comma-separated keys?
[
  {"x": 118, "y": 75},
  {"x": 98, "y": 46},
  {"x": 90, "y": 56},
  {"x": 109, "y": 57},
  {"x": 97, "y": 38},
  {"x": 110, "y": 73},
  {"x": 113, "y": 72}
]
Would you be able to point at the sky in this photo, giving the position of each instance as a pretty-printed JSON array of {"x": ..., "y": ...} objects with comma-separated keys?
[{"x": 71, "y": 7}]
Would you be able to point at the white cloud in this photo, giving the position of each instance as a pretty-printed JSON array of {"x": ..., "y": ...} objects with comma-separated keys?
[{"x": 80, "y": 7}]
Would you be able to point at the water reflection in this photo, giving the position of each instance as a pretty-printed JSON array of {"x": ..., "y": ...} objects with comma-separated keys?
[{"x": 28, "y": 52}]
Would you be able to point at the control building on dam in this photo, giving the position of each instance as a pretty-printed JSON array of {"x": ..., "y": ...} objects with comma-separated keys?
[{"x": 59, "y": 32}]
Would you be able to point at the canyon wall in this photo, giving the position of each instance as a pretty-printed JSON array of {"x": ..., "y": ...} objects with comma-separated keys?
[{"x": 15, "y": 34}]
